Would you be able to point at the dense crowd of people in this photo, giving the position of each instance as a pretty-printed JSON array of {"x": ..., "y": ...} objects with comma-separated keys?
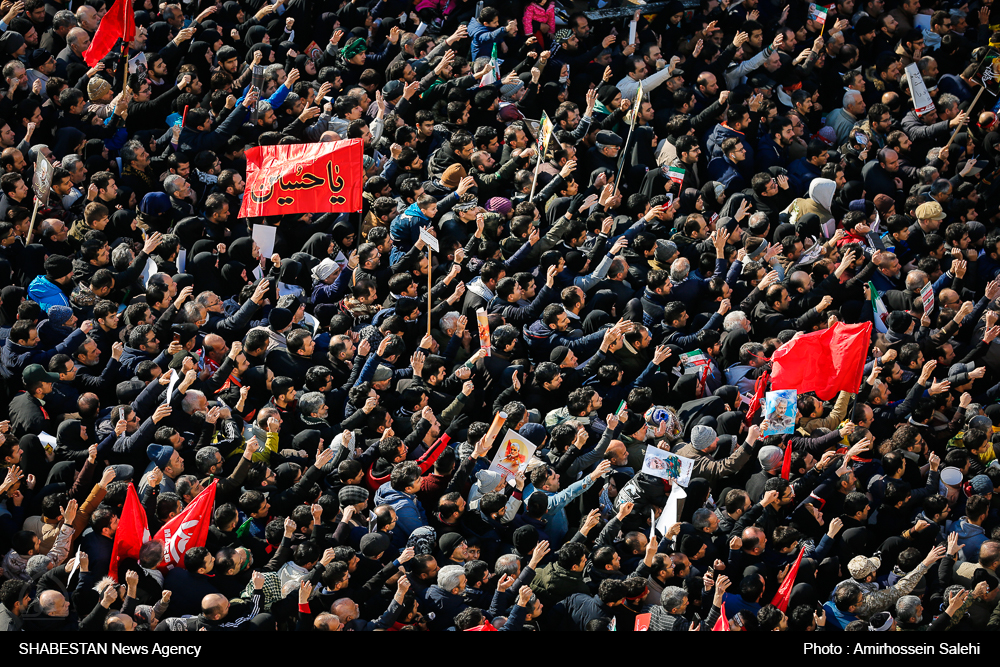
[{"x": 720, "y": 178}]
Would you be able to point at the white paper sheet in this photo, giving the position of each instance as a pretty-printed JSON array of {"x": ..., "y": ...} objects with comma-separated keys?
[{"x": 264, "y": 236}]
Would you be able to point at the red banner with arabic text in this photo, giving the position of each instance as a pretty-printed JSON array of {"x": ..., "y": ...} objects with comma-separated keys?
[{"x": 304, "y": 178}]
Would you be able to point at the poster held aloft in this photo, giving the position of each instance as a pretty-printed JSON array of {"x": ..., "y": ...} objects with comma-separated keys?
[
  {"x": 922, "y": 102},
  {"x": 780, "y": 409},
  {"x": 513, "y": 455},
  {"x": 665, "y": 465},
  {"x": 483, "y": 324}
]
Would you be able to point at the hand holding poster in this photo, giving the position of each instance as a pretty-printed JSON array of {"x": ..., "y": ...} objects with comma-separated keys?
[
  {"x": 667, "y": 466},
  {"x": 513, "y": 456},
  {"x": 922, "y": 102},
  {"x": 780, "y": 408},
  {"x": 483, "y": 322},
  {"x": 41, "y": 182},
  {"x": 927, "y": 297}
]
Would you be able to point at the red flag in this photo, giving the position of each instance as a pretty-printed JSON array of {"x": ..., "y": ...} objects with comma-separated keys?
[
  {"x": 187, "y": 530},
  {"x": 826, "y": 362},
  {"x": 759, "y": 390},
  {"x": 642, "y": 622},
  {"x": 785, "y": 591},
  {"x": 132, "y": 532},
  {"x": 304, "y": 178},
  {"x": 721, "y": 625},
  {"x": 786, "y": 464},
  {"x": 119, "y": 22}
]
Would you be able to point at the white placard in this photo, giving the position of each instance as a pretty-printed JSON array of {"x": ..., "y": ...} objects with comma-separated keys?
[
  {"x": 148, "y": 271},
  {"x": 668, "y": 516},
  {"x": 182, "y": 260},
  {"x": 172, "y": 385},
  {"x": 47, "y": 440},
  {"x": 264, "y": 236},
  {"x": 429, "y": 239},
  {"x": 76, "y": 564},
  {"x": 922, "y": 102}
]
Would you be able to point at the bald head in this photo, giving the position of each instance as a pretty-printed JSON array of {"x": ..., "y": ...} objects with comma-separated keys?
[
  {"x": 345, "y": 608},
  {"x": 53, "y": 603},
  {"x": 78, "y": 40},
  {"x": 214, "y": 606},
  {"x": 327, "y": 623},
  {"x": 754, "y": 539}
]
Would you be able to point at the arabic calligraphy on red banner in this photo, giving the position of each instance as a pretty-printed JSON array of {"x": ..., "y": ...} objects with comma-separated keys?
[{"x": 305, "y": 178}]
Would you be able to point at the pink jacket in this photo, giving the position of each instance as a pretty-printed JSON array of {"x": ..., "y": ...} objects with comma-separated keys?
[
  {"x": 535, "y": 12},
  {"x": 443, "y": 7}
]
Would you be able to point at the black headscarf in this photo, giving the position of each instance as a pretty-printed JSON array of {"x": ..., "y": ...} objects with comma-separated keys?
[
  {"x": 12, "y": 296},
  {"x": 241, "y": 250},
  {"x": 232, "y": 279},
  {"x": 158, "y": 37},
  {"x": 318, "y": 245},
  {"x": 206, "y": 274}
]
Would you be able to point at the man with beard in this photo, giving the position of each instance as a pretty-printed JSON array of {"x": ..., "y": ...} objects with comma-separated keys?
[{"x": 772, "y": 151}]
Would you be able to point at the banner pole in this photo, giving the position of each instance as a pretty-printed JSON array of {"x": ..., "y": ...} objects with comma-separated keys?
[
  {"x": 534, "y": 179},
  {"x": 625, "y": 148},
  {"x": 971, "y": 106},
  {"x": 31, "y": 226},
  {"x": 428, "y": 290}
]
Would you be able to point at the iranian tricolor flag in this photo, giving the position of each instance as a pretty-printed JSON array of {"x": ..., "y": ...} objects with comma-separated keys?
[
  {"x": 490, "y": 77},
  {"x": 676, "y": 174},
  {"x": 881, "y": 314},
  {"x": 818, "y": 13}
]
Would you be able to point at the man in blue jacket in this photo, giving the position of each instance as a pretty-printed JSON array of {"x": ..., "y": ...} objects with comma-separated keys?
[
  {"x": 54, "y": 288},
  {"x": 400, "y": 494}
]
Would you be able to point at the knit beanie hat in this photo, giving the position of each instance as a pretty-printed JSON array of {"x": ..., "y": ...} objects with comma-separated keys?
[
  {"x": 449, "y": 542},
  {"x": 57, "y": 266},
  {"x": 452, "y": 176},
  {"x": 352, "y": 495},
  {"x": 499, "y": 205},
  {"x": 97, "y": 87},
  {"x": 488, "y": 480},
  {"x": 59, "y": 315},
  {"x": 981, "y": 485},
  {"x": 702, "y": 437},
  {"x": 279, "y": 319},
  {"x": 509, "y": 89}
]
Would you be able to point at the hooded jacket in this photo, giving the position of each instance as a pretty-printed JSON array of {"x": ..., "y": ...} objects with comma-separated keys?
[
  {"x": 405, "y": 229},
  {"x": 410, "y": 513},
  {"x": 970, "y": 535},
  {"x": 46, "y": 293},
  {"x": 820, "y": 201}
]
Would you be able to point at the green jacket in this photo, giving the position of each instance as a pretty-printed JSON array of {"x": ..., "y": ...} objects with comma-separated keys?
[{"x": 554, "y": 583}]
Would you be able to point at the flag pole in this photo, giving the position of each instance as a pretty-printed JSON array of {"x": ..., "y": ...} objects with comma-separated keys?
[
  {"x": 625, "y": 149},
  {"x": 534, "y": 179},
  {"x": 428, "y": 289},
  {"x": 971, "y": 107},
  {"x": 31, "y": 226}
]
